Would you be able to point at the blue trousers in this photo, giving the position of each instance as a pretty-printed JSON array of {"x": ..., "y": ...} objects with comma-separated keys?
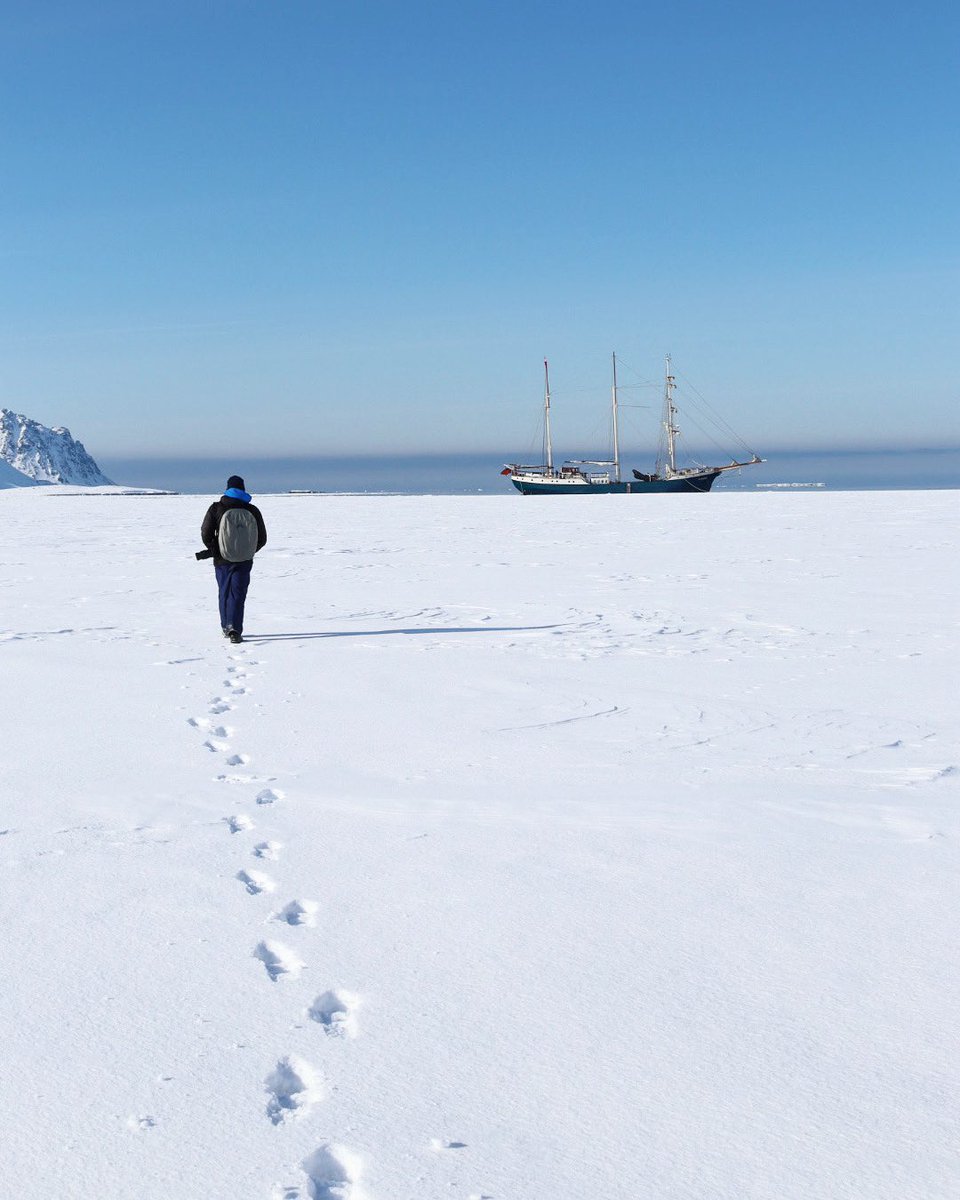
[{"x": 233, "y": 579}]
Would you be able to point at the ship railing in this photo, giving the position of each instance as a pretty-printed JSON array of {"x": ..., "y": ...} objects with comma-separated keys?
[{"x": 545, "y": 472}]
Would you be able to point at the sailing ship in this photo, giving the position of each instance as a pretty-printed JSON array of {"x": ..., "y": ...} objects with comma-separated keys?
[{"x": 597, "y": 476}]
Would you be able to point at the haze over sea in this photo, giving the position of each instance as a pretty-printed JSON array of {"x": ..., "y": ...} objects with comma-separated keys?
[{"x": 456, "y": 474}]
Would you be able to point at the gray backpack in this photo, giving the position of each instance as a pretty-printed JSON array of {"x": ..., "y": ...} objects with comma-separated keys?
[{"x": 237, "y": 535}]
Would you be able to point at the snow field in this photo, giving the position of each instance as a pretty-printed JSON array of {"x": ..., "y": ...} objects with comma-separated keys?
[{"x": 528, "y": 848}]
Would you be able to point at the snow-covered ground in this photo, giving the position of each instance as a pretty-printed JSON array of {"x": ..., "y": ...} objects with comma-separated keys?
[{"x": 530, "y": 849}]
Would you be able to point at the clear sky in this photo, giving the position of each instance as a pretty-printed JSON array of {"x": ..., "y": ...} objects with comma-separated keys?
[{"x": 280, "y": 226}]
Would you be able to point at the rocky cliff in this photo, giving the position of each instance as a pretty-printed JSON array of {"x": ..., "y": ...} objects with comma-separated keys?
[{"x": 45, "y": 455}]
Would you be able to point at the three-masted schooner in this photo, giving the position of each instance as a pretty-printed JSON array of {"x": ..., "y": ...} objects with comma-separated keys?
[{"x": 588, "y": 476}]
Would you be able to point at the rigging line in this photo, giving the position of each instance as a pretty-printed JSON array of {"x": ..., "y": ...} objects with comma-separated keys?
[
  {"x": 691, "y": 411},
  {"x": 581, "y": 391},
  {"x": 709, "y": 408},
  {"x": 707, "y": 434},
  {"x": 720, "y": 428},
  {"x": 716, "y": 416},
  {"x": 652, "y": 383},
  {"x": 601, "y": 432},
  {"x": 684, "y": 455},
  {"x": 645, "y": 385},
  {"x": 632, "y": 440},
  {"x": 539, "y": 435}
]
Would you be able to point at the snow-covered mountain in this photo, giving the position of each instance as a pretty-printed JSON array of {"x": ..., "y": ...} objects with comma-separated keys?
[{"x": 44, "y": 455}]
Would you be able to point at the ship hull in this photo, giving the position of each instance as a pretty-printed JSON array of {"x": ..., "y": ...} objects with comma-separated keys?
[{"x": 690, "y": 483}]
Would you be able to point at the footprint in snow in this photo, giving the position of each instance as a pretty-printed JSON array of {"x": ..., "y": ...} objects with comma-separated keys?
[
  {"x": 256, "y": 882},
  {"x": 333, "y": 1173},
  {"x": 270, "y": 796},
  {"x": 293, "y": 1087},
  {"x": 210, "y": 729},
  {"x": 140, "y": 1124},
  {"x": 336, "y": 1011},
  {"x": 238, "y": 824},
  {"x": 278, "y": 959},
  {"x": 298, "y": 912},
  {"x": 237, "y": 760},
  {"x": 267, "y": 850},
  {"x": 219, "y": 706}
]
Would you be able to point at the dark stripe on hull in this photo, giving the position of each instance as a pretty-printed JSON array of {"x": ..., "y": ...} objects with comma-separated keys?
[{"x": 693, "y": 483}]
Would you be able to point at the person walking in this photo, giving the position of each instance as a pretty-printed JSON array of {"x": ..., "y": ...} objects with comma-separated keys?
[{"x": 233, "y": 531}]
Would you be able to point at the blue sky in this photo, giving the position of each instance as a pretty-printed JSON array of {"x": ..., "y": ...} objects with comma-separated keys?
[{"x": 287, "y": 227}]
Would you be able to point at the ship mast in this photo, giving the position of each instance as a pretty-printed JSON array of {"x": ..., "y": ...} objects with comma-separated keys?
[
  {"x": 546, "y": 415},
  {"x": 669, "y": 414},
  {"x": 616, "y": 428}
]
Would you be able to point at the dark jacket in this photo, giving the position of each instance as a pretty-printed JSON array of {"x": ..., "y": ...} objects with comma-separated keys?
[{"x": 211, "y": 523}]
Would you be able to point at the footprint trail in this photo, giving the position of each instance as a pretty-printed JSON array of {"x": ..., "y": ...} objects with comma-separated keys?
[
  {"x": 256, "y": 882},
  {"x": 298, "y": 912},
  {"x": 278, "y": 960},
  {"x": 293, "y": 1087},
  {"x": 269, "y": 796},
  {"x": 333, "y": 1173},
  {"x": 336, "y": 1011}
]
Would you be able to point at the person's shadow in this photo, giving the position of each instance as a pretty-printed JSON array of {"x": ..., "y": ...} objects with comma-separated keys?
[{"x": 413, "y": 632}]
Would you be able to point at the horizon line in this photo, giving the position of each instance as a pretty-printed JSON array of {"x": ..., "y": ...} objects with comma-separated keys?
[{"x": 499, "y": 455}]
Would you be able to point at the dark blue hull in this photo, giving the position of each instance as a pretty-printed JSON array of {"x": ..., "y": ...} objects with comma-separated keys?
[{"x": 691, "y": 483}]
